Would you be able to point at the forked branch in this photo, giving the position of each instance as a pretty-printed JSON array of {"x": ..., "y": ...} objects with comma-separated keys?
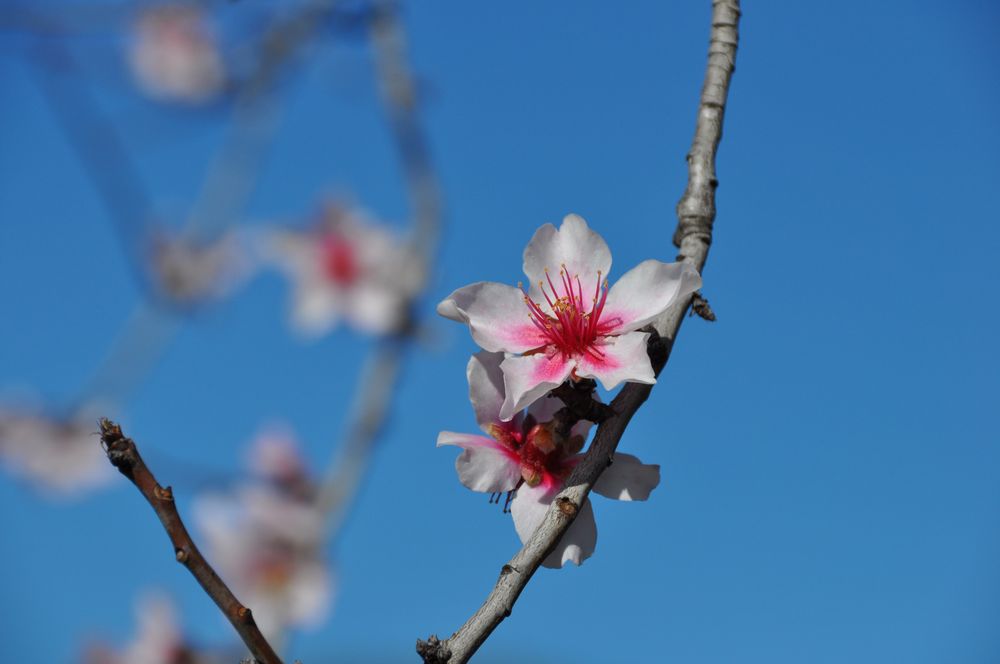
[{"x": 696, "y": 214}]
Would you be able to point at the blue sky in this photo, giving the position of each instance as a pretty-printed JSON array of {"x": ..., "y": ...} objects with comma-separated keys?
[{"x": 829, "y": 447}]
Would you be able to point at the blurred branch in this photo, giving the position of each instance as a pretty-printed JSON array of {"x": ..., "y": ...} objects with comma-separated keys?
[
  {"x": 228, "y": 182},
  {"x": 378, "y": 385},
  {"x": 696, "y": 214},
  {"x": 124, "y": 456},
  {"x": 98, "y": 147}
]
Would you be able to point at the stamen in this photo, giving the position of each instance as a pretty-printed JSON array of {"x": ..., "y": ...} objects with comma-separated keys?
[
  {"x": 506, "y": 503},
  {"x": 567, "y": 324}
]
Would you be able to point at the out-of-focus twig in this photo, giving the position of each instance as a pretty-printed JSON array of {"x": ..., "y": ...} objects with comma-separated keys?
[
  {"x": 228, "y": 183},
  {"x": 696, "y": 214},
  {"x": 373, "y": 399},
  {"x": 124, "y": 455},
  {"x": 98, "y": 147}
]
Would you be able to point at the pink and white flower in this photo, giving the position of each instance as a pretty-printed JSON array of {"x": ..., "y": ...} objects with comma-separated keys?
[
  {"x": 346, "y": 267},
  {"x": 523, "y": 457},
  {"x": 569, "y": 324},
  {"x": 175, "y": 55},
  {"x": 60, "y": 455},
  {"x": 265, "y": 539},
  {"x": 158, "y": 640}
]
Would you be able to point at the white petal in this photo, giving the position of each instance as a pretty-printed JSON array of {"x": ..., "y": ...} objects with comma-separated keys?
[
  {"x": 528, "y": 378},
  {"x": 316, "y": 308},
  {"x": 579, "y": 541},
  {"x": 309, "y": 594},
  {"x": 628, "y": 479},
  {"x": 496, "y": 315},
  {"x": 485, "y": 387},
  {"x": 625, "y": 359},
  {"x": 375, "y": 308},
  {"x": 529, "y": 507},
  {"x": 545, "y": 408},
  {"x": 484, "y": 465},
  {"x": 575, "y": 245},
  {"x": 644, "y": 292},
  {"x": 451, "y": 309}
]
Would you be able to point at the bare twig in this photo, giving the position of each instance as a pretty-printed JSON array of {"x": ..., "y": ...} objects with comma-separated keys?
[
  {"x": 124, "y": 455},
  {"x": 696, "y": 214},
  {"x": 374, "y": 397}
]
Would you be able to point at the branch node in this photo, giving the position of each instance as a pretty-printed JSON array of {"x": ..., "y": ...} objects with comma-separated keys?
[
  {"x": 566, "y": 506},
  {"x": 163, "y": 492},
  {"x": 580, "y": 405},
  {"x": 433, "y": 650},
  {"x": 181, "y": 555}
]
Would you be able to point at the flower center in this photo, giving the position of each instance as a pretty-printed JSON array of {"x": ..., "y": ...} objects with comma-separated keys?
[
  {"x": 541, "y": 460},
  {"x": 340, "y": 262},
  {"x": 572, "y": 326}
]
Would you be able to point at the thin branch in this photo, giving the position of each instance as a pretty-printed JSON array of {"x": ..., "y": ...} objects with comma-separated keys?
[
  {"x": 696, "y": 214},
  {"x": 374, "y": 397},
  {"x": 124, "y": 456}
]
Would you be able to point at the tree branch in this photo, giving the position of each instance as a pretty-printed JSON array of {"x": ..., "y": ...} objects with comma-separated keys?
[
  {"x": 377, "y": 387},
  {"x": 696, "y": 214},
  {"x": 124, "y": 456}
]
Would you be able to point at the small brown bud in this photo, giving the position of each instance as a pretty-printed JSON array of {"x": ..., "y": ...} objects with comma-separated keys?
[{"x": 566, "y": 506}]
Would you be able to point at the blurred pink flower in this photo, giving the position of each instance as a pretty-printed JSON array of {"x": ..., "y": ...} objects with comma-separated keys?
[
  {"x": 569, "y": 325},
  {"x": 175, "y": 56},
  {"x": 349, "y": 267},
  {"x": 158, "y": 639},
  {"x": 265, "y": 540},
  {"x": 522, "y": 457},
  {"x": 58, "y": 455}
]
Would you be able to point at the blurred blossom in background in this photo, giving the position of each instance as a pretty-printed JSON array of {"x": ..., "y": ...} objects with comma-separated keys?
[
  {"x": 175, "y": 55},
  {"x": 265, "y": 538},
  {"x": 346, "y": 266},
  {"x": 211, "y": 222}
]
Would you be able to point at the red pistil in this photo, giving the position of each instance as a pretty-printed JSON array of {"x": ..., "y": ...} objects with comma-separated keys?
[
  {"x": 339, "y": 260},
  {"x": 572, "y": 327}
]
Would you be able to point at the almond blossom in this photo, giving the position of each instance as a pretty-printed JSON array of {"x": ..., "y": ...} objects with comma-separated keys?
[
  {"x": 175, "y": 55},
  {"x": 60, "y": 455},
  {"x": 347, "y": 266},
  {"x": 158, "y": 641},
  {"x": 264, "y": 538},
  {"x": 569, "y": 324},
  {"x": 524, "y": 457}
]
